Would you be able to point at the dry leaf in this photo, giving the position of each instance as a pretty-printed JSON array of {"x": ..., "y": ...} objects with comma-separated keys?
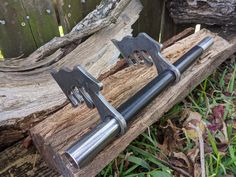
[
  {"x": 216, "y": 119},
  {"x": 194, "y": 118},
  {"x": 197, "y": 170}
]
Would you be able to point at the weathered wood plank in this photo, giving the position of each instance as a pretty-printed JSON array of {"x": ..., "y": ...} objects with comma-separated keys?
[
  {"x": 150, "y": 18},
  {"x": 168, "y": 27},
  {"x": 88, "y": 6},
  {"x": 42, "y": 20},
  {"x": 59, "y": 131},
  {"x": 28, "y": 94},
  {"x": 19, "y": 161},
  {"x": 16, "y": 37},
  {"x": 70, "y": 13}
]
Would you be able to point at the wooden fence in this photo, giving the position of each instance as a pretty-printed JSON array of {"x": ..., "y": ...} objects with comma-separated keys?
[{"x": 25, "y": 25}]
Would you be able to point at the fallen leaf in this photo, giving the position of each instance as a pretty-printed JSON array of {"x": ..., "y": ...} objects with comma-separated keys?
[
  {"x": 180, "y": 160},
  {"x": 193, "y": 154},
  {"x": 172, "y": 141},
  {"x": 195, "y": 119},
  {"x": 216, "y": 119},
  {"x": 218, "y": 112},
  {"x": 197, "y": 170}
]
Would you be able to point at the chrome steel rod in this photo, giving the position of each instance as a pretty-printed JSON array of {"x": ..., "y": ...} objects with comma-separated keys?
[{"x": 88, "y": 147}]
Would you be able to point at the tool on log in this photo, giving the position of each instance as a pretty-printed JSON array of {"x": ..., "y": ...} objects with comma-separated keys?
[{"x": 79, "y": 86}]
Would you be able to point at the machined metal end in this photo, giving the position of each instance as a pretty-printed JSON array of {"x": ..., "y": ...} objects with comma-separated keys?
[
  {"x": 83, "y": 151},
  {"x": 206, "y": 42}
]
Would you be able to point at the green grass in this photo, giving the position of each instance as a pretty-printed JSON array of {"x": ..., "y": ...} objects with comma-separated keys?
[{"x": 143, "y": 157}]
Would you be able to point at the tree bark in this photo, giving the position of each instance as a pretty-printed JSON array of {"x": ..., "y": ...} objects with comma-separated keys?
[
  {"x": 209, "y": 12},
  {"x": 28, "y": 94}
]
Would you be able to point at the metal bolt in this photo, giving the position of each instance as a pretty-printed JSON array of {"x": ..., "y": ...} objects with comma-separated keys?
[
  {"x": 2, "y": 22},
  {"x": 69, "y": 15},
  {"x": 27, "y": 17},
  {"x": 69, "y": 6},
  {"x": 23, "y": 24},
  {"x": 48, "y": 11}
]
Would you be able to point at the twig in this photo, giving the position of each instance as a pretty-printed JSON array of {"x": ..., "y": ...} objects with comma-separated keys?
[
  {"x": 201, "y": 145},
  {"x": 179, "y": 170}
]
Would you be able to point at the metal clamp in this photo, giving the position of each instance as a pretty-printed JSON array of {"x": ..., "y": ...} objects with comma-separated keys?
[
  {"x": 78, "y": 85},
  {"x": 147, "y": 49}
]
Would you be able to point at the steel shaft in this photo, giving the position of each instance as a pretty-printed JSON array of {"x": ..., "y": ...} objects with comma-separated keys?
[{"x": 83, "y": 151}]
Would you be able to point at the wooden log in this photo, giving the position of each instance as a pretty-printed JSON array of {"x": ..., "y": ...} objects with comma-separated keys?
[
  {"x": 28, "y": 94},
  {"x": 19, "y": 161},
  {"x": 60, "y": 130},
  {"x": 18, "y": 155},
  {"x": 211, "y": 12}
]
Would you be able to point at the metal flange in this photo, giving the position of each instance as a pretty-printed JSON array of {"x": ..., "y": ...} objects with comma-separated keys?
[
  {"x": 78, "y": 85},
  {"x": 148, "y": 49}
]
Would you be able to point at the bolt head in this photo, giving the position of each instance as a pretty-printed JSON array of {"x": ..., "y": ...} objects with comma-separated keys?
[{"x": 23, "y": 24}]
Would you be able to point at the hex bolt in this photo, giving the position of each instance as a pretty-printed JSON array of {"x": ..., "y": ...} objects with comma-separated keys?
[
  {"x": 69, "y": 6},
  {"x": 69, "y": 15}
]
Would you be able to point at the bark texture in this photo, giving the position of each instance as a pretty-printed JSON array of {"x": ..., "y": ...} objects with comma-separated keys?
[
  {"x": 28, "y": 94},
  {"x": 210, "y": 12}
]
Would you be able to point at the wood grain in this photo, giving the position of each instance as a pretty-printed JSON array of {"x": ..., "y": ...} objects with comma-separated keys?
[
  {"x": 19, "y": 161},
  {"x": 60, "y": 130},
  {"x": 16, "y": 37},
  {"x": 213, "y": 12},
  {"x": 28, "y": 94}
]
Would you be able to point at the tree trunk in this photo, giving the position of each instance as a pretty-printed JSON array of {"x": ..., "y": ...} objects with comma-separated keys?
[{"x": 210, "y": 12}]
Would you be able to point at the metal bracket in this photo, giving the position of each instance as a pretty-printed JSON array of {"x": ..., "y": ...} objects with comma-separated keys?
[
  {"x": 147, "y": 50},
  {"x": 79, "y": 85}
]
